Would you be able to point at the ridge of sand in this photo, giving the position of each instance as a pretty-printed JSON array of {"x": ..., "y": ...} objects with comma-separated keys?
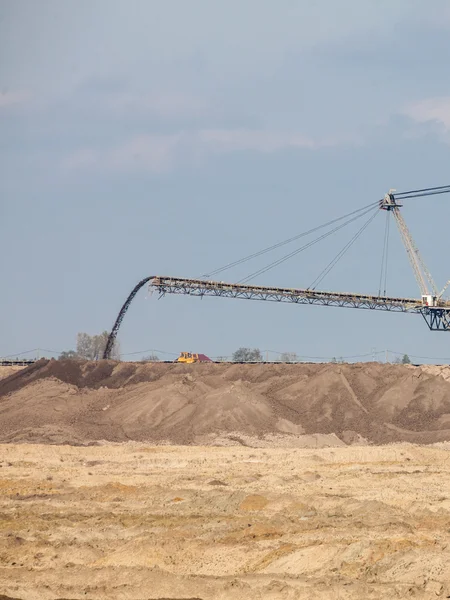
[{"x": 83, "y": 402}]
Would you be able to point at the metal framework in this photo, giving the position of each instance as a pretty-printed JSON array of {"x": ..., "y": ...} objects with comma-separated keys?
[
  {"x": 436, "y": 317},
  {"x": 420, "y": 270},
  {"x": 432, "y": 307}
]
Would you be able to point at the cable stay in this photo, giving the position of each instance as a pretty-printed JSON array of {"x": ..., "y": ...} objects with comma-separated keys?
[
  {"x": 384, "y": 257},
  {"x": 287, "y": 241},
  {"x": 443, "y": 189},
  {"x": 341, "y": 253},
  {"x": 302, "y": 248}
]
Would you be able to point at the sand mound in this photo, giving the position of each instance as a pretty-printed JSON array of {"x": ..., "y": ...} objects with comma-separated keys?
[{"x": 305, "y": 404}]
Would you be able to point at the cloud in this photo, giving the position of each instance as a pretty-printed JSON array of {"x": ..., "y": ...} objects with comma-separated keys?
[
  {"x": 163, "y": 104},
  {"x": 12, "y": 98},
  {"x": 152, "y": 153},
  {"x": 118, "y": 97},
  {"x": 161, "y": 153},
  {"x": 222, "y": 140},
  {"x": 431, "y": 110}
]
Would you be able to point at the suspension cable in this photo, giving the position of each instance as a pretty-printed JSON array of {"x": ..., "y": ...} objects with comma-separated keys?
[
  {"x": 400, "y": 195},
  {"x": 383, "y": 257},
  {"x": 446, "y": 188},
  {"x": 341, "y": 253},
  {"x": 387, "y": 255},
  {"x": 306, "y": 246},
  {"x": 422, "y": 195},
  {"x": 287, "y": 241}
]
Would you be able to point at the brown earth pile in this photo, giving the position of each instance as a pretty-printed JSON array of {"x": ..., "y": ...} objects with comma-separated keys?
[{"x": 253, "y": 405}]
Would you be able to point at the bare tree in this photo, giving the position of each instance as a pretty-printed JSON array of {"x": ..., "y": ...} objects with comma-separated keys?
[
  {"x": 150, "y": 358},
  {"x": 68, "y": 355},
  {"x": 288, "y": 357},
  {"x": 247, "y": 355},
  {"x": 91, "y": 347}
]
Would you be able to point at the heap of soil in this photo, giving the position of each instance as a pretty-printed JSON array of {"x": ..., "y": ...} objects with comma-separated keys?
[{"x": 80, "y": 402}]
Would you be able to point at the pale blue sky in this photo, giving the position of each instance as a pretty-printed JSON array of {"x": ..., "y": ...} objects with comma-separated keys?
[{"x": 146, "y": 137}]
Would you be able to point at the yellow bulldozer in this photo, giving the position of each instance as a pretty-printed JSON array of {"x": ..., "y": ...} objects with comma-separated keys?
[{"x": 190, "y": 358}]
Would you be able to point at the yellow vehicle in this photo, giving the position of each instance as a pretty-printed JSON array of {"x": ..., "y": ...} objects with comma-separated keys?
[{"x": 190, "y": 358}]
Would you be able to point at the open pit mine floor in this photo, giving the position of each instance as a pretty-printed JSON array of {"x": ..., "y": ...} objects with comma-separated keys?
[
  {"x": 134, "y": 521},
  {"x": 132, "y": 481}
]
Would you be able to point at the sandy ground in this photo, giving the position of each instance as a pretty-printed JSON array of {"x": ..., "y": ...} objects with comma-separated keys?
[
  {"x": 133, "y": 521},
  {"x": 7, "y": 371}
]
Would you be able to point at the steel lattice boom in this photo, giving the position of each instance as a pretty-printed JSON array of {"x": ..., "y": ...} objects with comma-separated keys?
[
  {"x": 432, "y": 307},
  {"x": 437, "y": 317}
]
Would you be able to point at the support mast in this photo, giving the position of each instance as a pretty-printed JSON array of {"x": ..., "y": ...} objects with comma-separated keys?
[{"x": 425, "y": 281}]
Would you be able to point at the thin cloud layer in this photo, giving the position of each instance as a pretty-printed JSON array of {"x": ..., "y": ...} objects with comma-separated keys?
[
  {"x": 435, "y": 110},
  {"x": 159, "y": 85},
  {"x": 152, "y": 153},
  {"x": 162, "y": 153},
  {"x": 13, "y": 98}
]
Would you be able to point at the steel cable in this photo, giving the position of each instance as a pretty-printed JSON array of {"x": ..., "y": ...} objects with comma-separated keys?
[
  {"x": 287, "y": 241},
  {"x": 421, "y": 195},
  {"x": 387, "y": 256},
  {"x": 383, "y": 257},
  {"x": 432, "y": 189},
  {"x": 302, "y": 248},
  {"x": 341, "y": 253}
]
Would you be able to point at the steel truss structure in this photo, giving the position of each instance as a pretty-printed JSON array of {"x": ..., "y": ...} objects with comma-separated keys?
[
  {"x": 433, "y": 308},
  {"x": 437, "y": 318}
]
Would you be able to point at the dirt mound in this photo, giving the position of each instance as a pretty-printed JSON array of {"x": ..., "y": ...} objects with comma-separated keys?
[{"x": 83, "y": 402}]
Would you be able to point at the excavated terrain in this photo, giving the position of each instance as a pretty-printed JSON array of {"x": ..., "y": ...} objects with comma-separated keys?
[
  {"x": 131, "y": 481},
  {"x": 252, "y": 405},
  {"x": 138, "y": 522}
]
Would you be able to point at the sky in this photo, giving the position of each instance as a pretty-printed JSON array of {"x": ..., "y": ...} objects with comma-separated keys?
[{"x": 169, "y": 138}]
